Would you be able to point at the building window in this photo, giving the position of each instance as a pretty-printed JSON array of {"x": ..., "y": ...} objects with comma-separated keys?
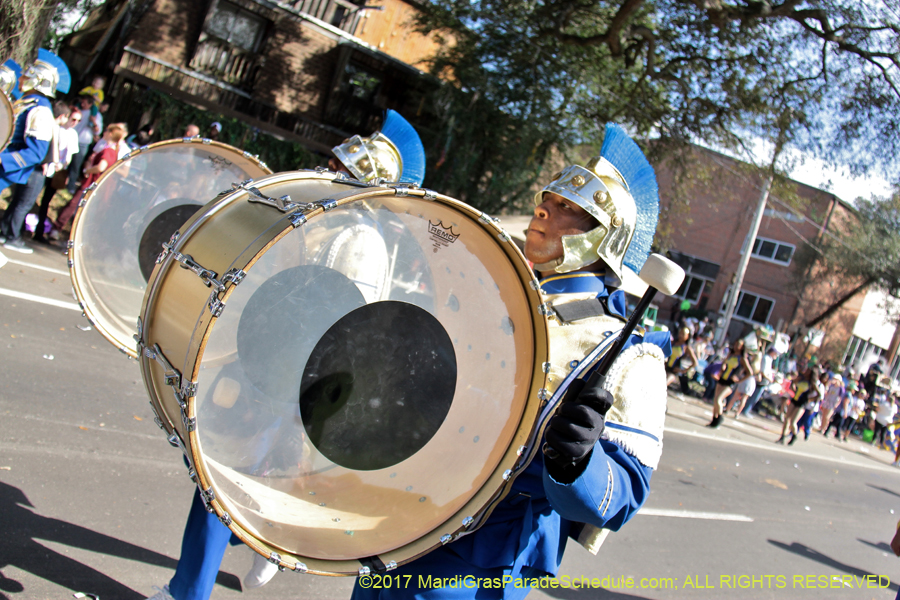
[
  {"x": 236, "y": 26},
  {"x": 772, "y": 250},
  {"x": 693, "y": 288},
  {"x": 751, "y": 307}
]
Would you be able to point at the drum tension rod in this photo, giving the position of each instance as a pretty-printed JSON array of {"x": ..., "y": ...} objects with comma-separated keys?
[{"x": 182, "y": 389}]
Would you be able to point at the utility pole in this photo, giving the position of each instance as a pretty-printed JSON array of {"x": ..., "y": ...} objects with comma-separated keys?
[{"x": 745, "y": 256}]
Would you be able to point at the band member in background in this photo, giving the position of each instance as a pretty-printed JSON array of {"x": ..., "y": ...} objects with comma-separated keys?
[
  {"x": 394, "y": 154},
  {"x": 33, "y": 134},
  {"x": 605, "y": 443}
]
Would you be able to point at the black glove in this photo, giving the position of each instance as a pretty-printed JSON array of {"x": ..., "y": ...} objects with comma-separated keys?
[{"x": 576, "y": 427}]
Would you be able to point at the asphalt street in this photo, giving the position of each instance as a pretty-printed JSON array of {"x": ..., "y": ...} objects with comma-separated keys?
[{"x": 93, "y": 499}]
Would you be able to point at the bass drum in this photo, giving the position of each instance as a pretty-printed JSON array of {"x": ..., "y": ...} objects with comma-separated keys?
[
  {"x": 7, "y": 121},
  {"x": 126, "y": 216},
  {"x": 352, "y": 371}
]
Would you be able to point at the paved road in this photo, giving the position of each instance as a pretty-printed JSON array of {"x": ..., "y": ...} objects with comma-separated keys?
[{"x": 93, "y": 500}]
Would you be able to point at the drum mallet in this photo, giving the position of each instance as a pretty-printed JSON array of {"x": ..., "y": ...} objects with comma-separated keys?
[{"x": 660, "y": 274}]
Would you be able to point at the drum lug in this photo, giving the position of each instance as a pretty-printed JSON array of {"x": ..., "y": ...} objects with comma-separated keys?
[
  {"x": 401, "y": 190},
  {"x": 446, "y": 538},
  {"x": 284, "y": 203},
  {"x": 543, "y": 394},
  {"x": 364, "y": 571},
  {"x": 188, "y": 262},
  {"x": 172, "y": 375},
  {"x": 545, "y": 309},
  {"x": 504, "y": 237},
  {"x": 70, "y": 244},
  {"x": 274, "y": 558},
  {"x": 545, "y": 367},
  {"x": 297, "y": 219},
  {"x": 168, "y": 247},
  {"x": 327, "y": 204},
  {"x": 159, "y": 423},
  {"x": 189, "y": 389},
  {"x": 299, "y": 567},
  {"x": 208, "y": 495},
  {"x": 507, "y": 474},
  {"x": 430, "y": 195},
  {"x": 190, "y": 424},
  {"x": 486, "y": 218},
  {"x": 521, "y": 450},
  {"x": 226, "y": 519},
  {"x": 215, "y": 305},
  {"x": 233, "y": 276},
  {"x": 390, "y": 566},
  {"x": 467, "y": 522}
]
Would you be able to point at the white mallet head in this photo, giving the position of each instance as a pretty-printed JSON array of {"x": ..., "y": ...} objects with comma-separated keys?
[{"x": 661, "y": 273}]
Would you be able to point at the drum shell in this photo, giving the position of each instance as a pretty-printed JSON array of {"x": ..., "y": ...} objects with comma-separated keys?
[
  {"x": 7, "y": 121},
  {"x": 89, "y": 292},
  {"x": 170, "y": 321}
]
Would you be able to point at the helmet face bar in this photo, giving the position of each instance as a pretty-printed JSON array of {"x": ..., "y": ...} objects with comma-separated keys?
[
  {"x": 370, "y": 158},
  {"x": 41, "y": 77}
]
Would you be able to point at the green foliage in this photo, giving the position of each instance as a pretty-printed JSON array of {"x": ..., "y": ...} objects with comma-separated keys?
[
  {"x": 530, "y": 78},
  {"x": 171, "y": 117}
]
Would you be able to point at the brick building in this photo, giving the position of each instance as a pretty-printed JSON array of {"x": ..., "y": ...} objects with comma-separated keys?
[
  {"x": 708, "y": 240},
  {"x": 309, "y": 71}
]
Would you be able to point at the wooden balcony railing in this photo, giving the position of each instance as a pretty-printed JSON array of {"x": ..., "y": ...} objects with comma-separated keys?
[
  {"x": 338, "y": 13},
  {"x": 226, "y": 62}
]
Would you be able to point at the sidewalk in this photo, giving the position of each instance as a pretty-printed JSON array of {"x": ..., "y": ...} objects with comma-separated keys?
[{"x": 688, "y": 415}]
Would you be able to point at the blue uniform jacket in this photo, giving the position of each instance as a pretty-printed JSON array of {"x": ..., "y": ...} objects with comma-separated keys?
[{"x": 24, "y": 152}]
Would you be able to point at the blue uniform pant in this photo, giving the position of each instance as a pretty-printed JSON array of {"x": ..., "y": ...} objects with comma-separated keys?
[
  {"x": 202, "y": 549},
  {"x": 24, "y": 195}
]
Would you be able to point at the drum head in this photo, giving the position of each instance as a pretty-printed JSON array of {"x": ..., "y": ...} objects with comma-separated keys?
[
  {"x": 7, "y": 120},
  {"x": 137, "y": 205},
  {"x": 369, "y": 379}
]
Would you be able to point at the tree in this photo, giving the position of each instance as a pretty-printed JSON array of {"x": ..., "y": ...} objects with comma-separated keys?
[
  {"x": 864, "y": 255},
  {"x": 23, "y": 26},
  {"x": 533, "y": 77}
]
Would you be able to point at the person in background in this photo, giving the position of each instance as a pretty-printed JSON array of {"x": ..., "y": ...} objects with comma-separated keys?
[
  {"x": 736, "y": 373},
  {"x": 834, "y": 397},
  {"x": 95, "y": 91},
  {"x": 842, "y": 409},
  {"x": 809, "y": 389},
  {"x": 85, "y": 141},
  {"x": 812, "y": 406},
  {"x": 682, "y": 360},
  {"x": 100, "y": 161},
  {"x": 191, "y": 131},
  {"x": 59, "y": 178},
  {"x": 885, "y": 410},
  {"x": 764, "y": 379},
  {"x": 214, "y": 130},
  {"x": 141, "y": 138},
  {"x": 24, "y": 195},
  {"x": 123, "y": 150}
]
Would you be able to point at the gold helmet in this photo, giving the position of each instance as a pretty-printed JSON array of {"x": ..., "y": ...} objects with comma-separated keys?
[
  {"x": 617, "y": 188},
  {"x": 47, "y": 75},
  {"x": 9, "y": 76},
  {"x": 394, "y": 154}
]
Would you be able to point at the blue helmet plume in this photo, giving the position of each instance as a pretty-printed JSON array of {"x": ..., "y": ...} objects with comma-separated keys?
[
  {"x": 627, "y": 157},
  {"x": 412, "y": 152},
  {"x": 65, "y": 79}
]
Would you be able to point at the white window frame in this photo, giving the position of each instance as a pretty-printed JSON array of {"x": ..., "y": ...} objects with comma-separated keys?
[
  {"x": 758, "y": 297},
  {"x": 687, "y": 277},
  {"x": 777, "y": 244}
]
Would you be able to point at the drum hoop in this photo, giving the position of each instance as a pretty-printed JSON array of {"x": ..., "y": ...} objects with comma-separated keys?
[
  {"x": 72, "y": 253},
  {"x": 498, "y": 483},
  {"x": 6, "y": 136}
]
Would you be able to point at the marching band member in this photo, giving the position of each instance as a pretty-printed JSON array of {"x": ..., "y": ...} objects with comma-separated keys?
[
  {"x": 35, "y": 129},
  {"x": 395, "y": 153},
  {"x": 588, "y": 221}
]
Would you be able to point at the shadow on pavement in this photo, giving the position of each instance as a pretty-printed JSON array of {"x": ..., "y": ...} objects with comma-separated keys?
[
  {"x": 883, "y": 489},
  {"x": 21, "y": 530},
  {"x": 807, "y": 552},
  {"x": 883, "y": 546}
]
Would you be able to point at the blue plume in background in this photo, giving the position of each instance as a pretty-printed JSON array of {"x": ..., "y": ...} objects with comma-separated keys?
[
  {"x": 412, "y": 152},
  {"x": 627, "y": 157},
  {"x": 16, "y": 93},
  {"x": 65, "y": 79}
]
